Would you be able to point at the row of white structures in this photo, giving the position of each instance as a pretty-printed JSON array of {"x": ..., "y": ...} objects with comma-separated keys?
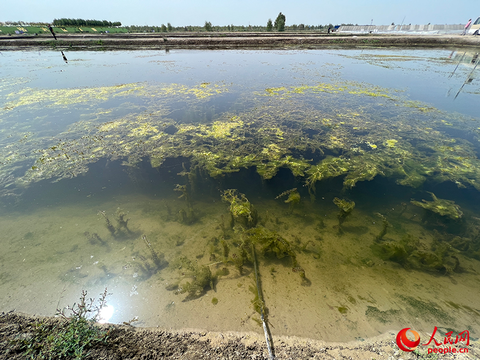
[{"x": 436, "y": 28}]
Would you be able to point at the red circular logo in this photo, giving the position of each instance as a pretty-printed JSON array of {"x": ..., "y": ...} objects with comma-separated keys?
[{"x": 404, "y": 343}]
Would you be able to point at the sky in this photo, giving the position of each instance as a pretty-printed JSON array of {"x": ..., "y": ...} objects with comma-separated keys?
[{"x": 244, "y": 12}]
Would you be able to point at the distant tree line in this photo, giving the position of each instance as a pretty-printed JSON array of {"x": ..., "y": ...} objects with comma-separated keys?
[
  {"x": 82, "y": 22},
  {"x": 209, "y": 27},
  {"x": 278, "y": 25},
  {"x": 22, "y": 23}
]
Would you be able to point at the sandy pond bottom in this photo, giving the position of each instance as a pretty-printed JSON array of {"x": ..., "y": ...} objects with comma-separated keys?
[{"x": 349, "y": 293}]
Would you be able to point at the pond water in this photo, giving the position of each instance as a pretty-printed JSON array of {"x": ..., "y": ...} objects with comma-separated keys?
[{"x": 351, "y": 176}]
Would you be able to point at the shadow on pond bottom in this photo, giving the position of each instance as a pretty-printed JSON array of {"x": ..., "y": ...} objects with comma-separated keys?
[{"x": 174, "y": 248}]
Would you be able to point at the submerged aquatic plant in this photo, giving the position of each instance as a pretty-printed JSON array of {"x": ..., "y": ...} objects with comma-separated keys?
[
  {"x": 385, "y": 226},
  {"x": 94, "y": 239},
  {"x": 397, "y": 251},
  {"x": 293, "y": 198},
  {"x": 121, "y": 230},
  {"x": 237, "y": 251},
  {"x": 122, "y": 222},
  {"x": 182, "y": 189},
  {"x": 268, "y": 241},
  {"x": 345, "y": 207},
  {"x": 412, "y": 254},
  {"x": 187, "y": 215},
  {"x": 443, "y": 207},
  {"x": 158, "y": 260},
  {"x": 108, "y": 224},
  {"x": 243, "y": 213},
  {"x": 195, "y": 281}
]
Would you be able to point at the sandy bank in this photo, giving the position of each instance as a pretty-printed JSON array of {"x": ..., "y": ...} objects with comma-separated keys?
[{"x": 127, "y": 342}]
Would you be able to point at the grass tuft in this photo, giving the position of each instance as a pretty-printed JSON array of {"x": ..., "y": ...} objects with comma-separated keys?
[{"x": 69, "y": 338}]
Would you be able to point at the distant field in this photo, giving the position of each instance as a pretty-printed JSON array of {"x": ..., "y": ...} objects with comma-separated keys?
[{"x": 59, "y": 30}]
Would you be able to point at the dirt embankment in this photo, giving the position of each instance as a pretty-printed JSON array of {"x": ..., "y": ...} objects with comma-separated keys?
[
  {"x": 127, "y": 342},
  {"x": 233, "y": 40}
]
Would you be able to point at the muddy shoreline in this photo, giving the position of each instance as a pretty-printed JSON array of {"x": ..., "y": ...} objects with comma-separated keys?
[
  {"x": 232, "y": 41},
  {"x": 128, "y": 342}
]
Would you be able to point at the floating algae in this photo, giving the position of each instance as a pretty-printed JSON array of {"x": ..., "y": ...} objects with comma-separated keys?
[
  {"x": 275, "y": 134},
  {"x": 328, "y": 167},
  {"x": 66, "y": 97}
]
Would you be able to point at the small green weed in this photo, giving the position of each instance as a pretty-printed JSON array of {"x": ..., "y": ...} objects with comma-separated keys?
[
  {"x": 424, "y": 355},
  {"x": 72, "y": 336}
]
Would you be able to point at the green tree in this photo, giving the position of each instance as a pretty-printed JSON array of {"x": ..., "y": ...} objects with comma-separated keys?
[
  {"x": 269, "y": 25},
  {"x": 280, "y": 22},
  {"x": 169, "y": 27},
  {"x": 164, "y": 28},
  {"x": 281, "y": 25},
  {"x": 208, "y": 26}
]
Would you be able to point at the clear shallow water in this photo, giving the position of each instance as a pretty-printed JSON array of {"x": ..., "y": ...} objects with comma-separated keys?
[{"x": 121, "y": 129}]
